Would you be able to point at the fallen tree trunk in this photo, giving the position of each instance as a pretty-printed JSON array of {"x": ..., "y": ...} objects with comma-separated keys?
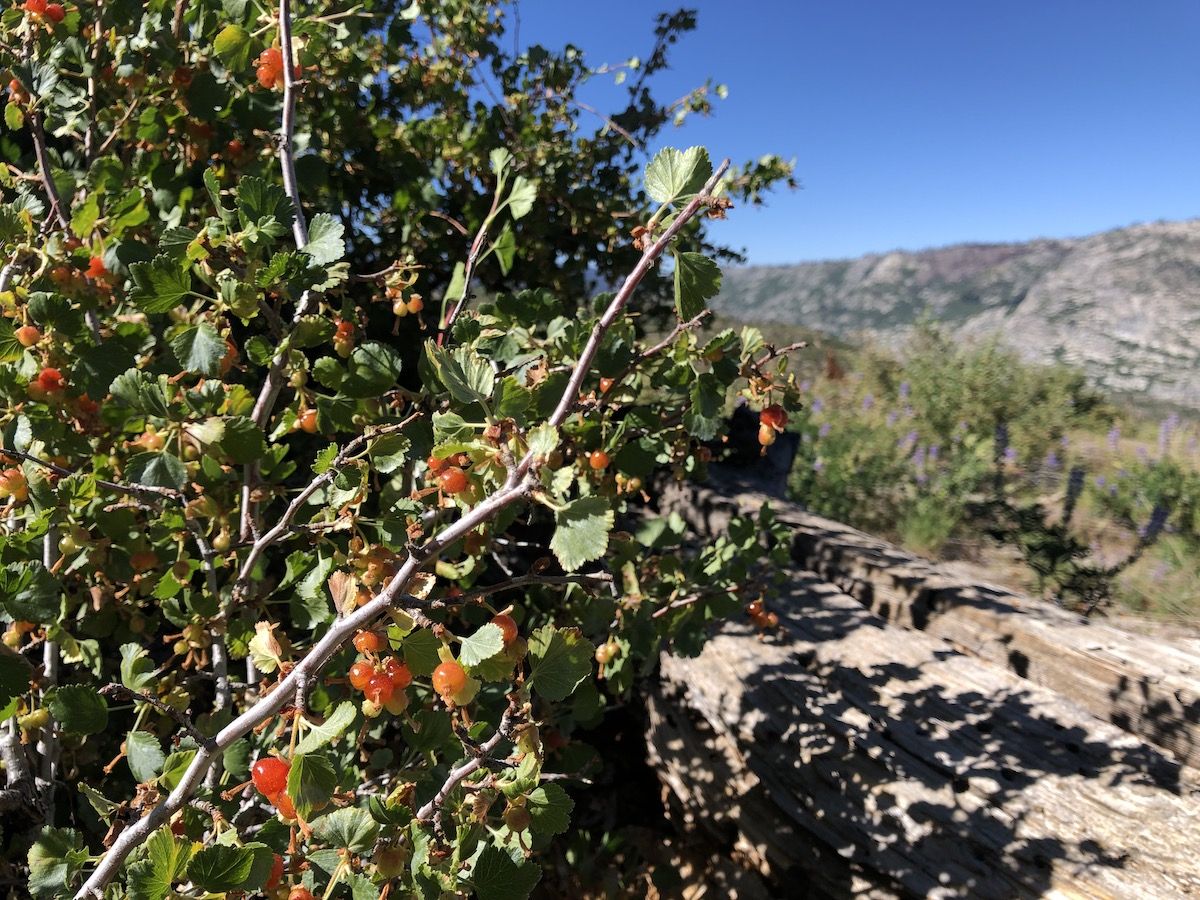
[
  {"x": 846, "y": 756},
  {"x": 1144, "y": 686}
]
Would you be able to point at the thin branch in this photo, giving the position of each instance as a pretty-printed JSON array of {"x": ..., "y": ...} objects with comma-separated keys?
[
  {"x": 44, "y": 169},
  {"x": 773, "y": 353},
  {"x": 131, "y": 490},
  {"x": 177, "y": 19},
  {"x": 284, "y": 525},
  {"x": 116, "y": 129},
  {"x": 89, "y": 134},
  {"x": 651, "y": 352},
  {"x": 48, "y": 745},
  {"x": 508, "y": 723},
  {"x": 120, "y": 692},
  {"x": 593, "y": 579}
]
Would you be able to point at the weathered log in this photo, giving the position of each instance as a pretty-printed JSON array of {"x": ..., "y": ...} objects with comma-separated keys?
[
  {"x": 846, "y": 756},
  {"x": 1146, "y": 686}
]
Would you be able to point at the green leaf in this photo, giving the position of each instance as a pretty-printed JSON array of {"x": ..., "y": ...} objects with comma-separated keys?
[
  {"x": 145, "y": 755},
  {"x": 697, "y": 278},
  {"x": 83, "y": 220},
  {"x": 421, "y": 652},
  {"x": 673, "y": 173},
  {"x": 550, "y": 808},
  {"x": 483, "y": 644},
  {"x": 14, "y": 116},
  {"x": 159, "y": 285},
  {"x": 236, "y": 758},
  {"x": 156, "y": 469},
  {"x": 350, "y": 828},
  {"x": 468, "y": 376},
  {"x": 325, "y": 244},
  {"x": 258, "y": 199},
  {"x": 311, "y": 782},
  {"x": 242, "y": 441},
  {"x": 581, "y": 532},
  {"x": 218, "y": 868},
  {"x": 496, "y": 876},
  {"x": 330, "y": 730},
  {"x": 165, "y": 862},
  {"x": 175, "y": 767},
  {"x": 137, "y": 668},
  {"x": 199, "y": 349},
  {"x": 704, "y": 415},
  {"x": 232, "y": 46},
  {"x": 31, "y": 593},
  {"x": 522, "y": 197},
  {"x": 78, "y": 709},
  {"x": 560, "y": 659},
  {"x": 55, "y": 861},
  {"x": 505, "y": 248},
  {"x": 389, "y": 452}
]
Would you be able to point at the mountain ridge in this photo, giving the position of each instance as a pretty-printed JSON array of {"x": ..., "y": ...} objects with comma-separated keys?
[{"x": 1123, "y": 304}]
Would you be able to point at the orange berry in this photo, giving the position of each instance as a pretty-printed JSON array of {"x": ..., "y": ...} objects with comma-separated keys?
[
  {"x": 436, "y": 464},
  {"x": 598, "y": 460},
  {"x": 508, "y": 626},
  {"x": 453, "y": 480},
  {"x": 397, "y": 672},
  {"x": 307, "y": 421},
  {"x": 416, "y": 303},
  {"x": 96, "y": 269},
  {"x": 369, "y": 642},
  {"x": 754, "y": 608},
  {"x": 35, "y": 8},
  {"x": 605, "y": 385},
  {"x": 449, "y": 678},
  {"x": 14, "y": 484},
  {"x": 50, "y": 380},
  {"x": 360, "y": 674},
  {"x": 766, "y": 435},
  {"x": 379, "y": 689},
  {"x": 300, "y": 893},
  {"x": 27, "y": 335},
  {"x": 284, "y": 804}
]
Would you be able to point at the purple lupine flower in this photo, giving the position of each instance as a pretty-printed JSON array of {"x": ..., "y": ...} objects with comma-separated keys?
[
  {"x": 891, "y": 418},
  {"x": 910, "y": 438},
  {"x": 868, "y": 401},
  {"x": 818, "y": 465},
  {"x": 817, "y": 405},
  {"x": 1010, "y": 455},
  {"x": 824, "y": 429},
  {"x": 1101, "y": 481},
  {"x": 1065, "y": 442},
  {"x": 904, "y": 390},
  {"x": 1114, "y": 436},
  {"x": 918, "y": 457},
  {"x": 1051, "y": 461},
  {"x": 933, "y": 452}
]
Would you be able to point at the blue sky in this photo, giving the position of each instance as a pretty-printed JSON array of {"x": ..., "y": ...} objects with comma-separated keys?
[{"x": 922, "y": 123}]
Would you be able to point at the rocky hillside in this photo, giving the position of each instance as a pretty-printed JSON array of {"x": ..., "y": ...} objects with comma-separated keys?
[{"x": 1123, "y": 304}]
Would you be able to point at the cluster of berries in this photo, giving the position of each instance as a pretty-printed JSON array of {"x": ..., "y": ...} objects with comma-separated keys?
[
  {"x": 771, "y": 421},
  {"x": 381, "y": 680},
  {"x": 270, "y": 777},
  {"x": 451, "y": 477},
  {"x": 41, "y": 11}
]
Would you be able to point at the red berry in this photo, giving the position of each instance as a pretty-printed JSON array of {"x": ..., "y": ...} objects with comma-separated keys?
[
  {"x": 300, "y": 893},
  {"x": 143, "y": 560},
  {"x": 276, "y": 873},
  {"x": 379, "y": 688},
  {"x": 344, "y": 329},
  {"x": 27, "y": 335},
  {"x": 96, "y": 268},
  {"x": 598, "y": 460},
  {"x": 452, "y": 480},
  {"x": 397, "y": 672},
  {"x": 55, "y": 12},
  {"x": 508, "y": 626},
  {"x": 360, "y": 674},
  {"x": 50, "y": 380},
  {"x": 436, "y": 464},
  {"x": 754, "y": 608},
  {"x": 605, "y": 385},
  {"x": 774, "y": 416},
  {"x": 369, "y": 642},
  {"x": 449, "y": 678},
  {"x": 35, "y": 8},
  {"x": 270, "y": 776}
]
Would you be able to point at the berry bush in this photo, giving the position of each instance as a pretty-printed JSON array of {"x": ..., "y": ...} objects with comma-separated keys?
[{"x": 341, "y": 351}]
